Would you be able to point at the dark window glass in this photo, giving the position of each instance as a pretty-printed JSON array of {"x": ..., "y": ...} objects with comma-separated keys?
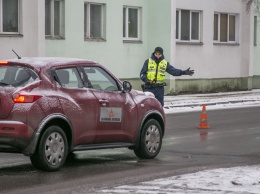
[
  {"x": 185, "y": 25},
  {"x": 47, "y": 17},
  {"x": 10, "y": 15}
]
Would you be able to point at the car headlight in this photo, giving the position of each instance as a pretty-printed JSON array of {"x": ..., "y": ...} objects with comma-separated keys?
[{"x": 149, "y": 94}]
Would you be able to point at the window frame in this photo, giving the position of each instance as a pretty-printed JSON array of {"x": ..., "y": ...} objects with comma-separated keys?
[
  {"x": 228, "y": 28},
  {"x": 255, "y": 29},
  {"x": 18, "y": 19},
  {"x": 52, "y": 23},
  {"x": 139, "y": 23},
  {"x": 87, "y": 22},
  {"x": 178, "y": 26}
]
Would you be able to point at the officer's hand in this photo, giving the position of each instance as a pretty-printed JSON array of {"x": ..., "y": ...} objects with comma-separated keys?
[
  {"x": 189, "y": 72},
  {"x": 148, "y": 83}
]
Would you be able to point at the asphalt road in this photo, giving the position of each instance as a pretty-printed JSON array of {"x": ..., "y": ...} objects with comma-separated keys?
[{"x": 233, "y": 139}]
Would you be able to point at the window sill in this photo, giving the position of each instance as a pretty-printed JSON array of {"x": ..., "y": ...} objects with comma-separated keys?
[
  {"x": 94, "y": 39},
  {"x": 54, "y": 38},
  {"x": 226, "y": 44},
  {"x": 11, "y": 35},
  {"x": 133, "y": 41},
  {"x": 189, "y": 43}
]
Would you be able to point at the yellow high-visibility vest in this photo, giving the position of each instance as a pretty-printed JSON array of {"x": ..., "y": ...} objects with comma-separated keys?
[{"x": 151, "y": 73}]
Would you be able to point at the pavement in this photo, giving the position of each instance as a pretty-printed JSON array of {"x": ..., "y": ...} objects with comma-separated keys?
[
  {"x": 235, "y": 180},
  {"x": 193, "y": 102}
]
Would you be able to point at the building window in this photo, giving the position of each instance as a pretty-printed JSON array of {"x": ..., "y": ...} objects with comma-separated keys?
[
  {"x": 131, "y": 23},
  {"x": 54, "y": 18},
  {"x": 255, "y": 30},
  {"x": 188, "y": 25},
  {"x": 225, "y": 26},
  {"x": 94, "y": 21},
  {"x": 9, "y": 16}
]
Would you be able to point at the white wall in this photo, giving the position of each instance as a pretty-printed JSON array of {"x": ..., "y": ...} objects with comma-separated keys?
[{"x": 31, "y": 40}]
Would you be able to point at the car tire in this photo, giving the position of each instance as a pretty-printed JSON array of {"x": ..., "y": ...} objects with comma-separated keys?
[
  {"x": 52, "y": 150},
  {"x": 150, "y": 140}
]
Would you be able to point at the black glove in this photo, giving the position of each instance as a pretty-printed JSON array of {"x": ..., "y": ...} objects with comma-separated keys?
[
  {"x": 148, "y": 83},
  {"x": 189, "y": 72}
]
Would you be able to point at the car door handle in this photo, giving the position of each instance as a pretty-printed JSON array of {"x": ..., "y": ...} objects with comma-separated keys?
[{"x": 104, "y": 102}]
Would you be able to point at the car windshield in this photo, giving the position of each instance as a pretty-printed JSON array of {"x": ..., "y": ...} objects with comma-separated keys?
[{"x": 16, "y": 76}]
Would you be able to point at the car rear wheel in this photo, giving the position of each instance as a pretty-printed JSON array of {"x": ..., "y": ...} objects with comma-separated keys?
[
  {"x": 151, "y": 140},
  {"x": 52, "y": 150}
]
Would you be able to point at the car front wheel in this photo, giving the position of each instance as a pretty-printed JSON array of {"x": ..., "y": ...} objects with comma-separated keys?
[
  {"x": 52, "y": 150},
  {"x": 151, "y": 140}
]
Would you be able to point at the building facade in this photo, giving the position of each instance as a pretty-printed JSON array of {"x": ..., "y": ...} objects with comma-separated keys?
[
  {"x": 22, "y": 28},
  {"x": 218, "y": 44},
  {"x": 215, "y": 38},
  {"x": 119, "y": 34}
]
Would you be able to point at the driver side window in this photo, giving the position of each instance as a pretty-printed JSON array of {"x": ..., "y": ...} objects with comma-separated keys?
[{"x": 100, "y": 80}]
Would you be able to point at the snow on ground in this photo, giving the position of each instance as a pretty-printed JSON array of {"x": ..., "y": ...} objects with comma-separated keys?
[
  {"x": 213, "y": 101},
  {"x": 236, "y": 180}
]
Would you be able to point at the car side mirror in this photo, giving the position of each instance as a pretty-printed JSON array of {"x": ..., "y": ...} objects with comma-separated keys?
[{"x": 127, "y": 87}]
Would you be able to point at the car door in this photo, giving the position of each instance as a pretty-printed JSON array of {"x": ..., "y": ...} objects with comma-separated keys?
[
  {"x": 117, "y": 111},
  {"x": 78, "y": 104}
]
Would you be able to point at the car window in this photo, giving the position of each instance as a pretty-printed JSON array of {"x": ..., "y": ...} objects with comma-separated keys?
[
  {"x": 69, "y": 78},
  {"x": 17, "y": 76},
  {"x": 2, "y": 72},
  {"x": 100, "y": 79}
]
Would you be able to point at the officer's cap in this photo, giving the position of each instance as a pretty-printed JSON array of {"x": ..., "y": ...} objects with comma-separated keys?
[{"x": 158, "y": 49}]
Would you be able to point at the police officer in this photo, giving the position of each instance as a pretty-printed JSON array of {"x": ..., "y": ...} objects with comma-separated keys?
[{"x": 153, "y": 74}]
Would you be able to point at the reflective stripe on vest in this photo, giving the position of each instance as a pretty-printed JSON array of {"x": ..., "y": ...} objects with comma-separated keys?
[{"x": 152, "y": 70}]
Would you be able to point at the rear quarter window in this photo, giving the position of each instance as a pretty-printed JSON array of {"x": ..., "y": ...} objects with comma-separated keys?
[{"x": 2, "y": 73}]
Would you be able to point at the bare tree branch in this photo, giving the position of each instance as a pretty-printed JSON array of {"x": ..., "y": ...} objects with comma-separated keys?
[
  {"x": 248, "y": 4},
  {"x": 252, "y": 4}
]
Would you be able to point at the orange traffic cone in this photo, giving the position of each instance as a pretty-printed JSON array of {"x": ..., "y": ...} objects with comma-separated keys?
[{"x": 203, "y": 119}]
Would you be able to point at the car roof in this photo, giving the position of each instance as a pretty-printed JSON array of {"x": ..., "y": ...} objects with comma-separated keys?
[{"x": 48, "y": 62}]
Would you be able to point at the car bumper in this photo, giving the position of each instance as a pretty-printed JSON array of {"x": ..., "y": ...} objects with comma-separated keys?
[{"x": 14, "y": 136}]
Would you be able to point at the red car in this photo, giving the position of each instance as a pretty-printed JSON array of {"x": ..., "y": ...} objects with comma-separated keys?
[{"x": 50, "y": 107}]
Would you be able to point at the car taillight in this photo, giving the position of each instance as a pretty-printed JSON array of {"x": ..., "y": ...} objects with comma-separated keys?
[
  {"x": 3, "y": 62},
  {"x": 19, "y": 98}
]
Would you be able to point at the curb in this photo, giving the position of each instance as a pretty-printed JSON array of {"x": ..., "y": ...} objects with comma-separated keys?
[{"x": 209, "y": 103}]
